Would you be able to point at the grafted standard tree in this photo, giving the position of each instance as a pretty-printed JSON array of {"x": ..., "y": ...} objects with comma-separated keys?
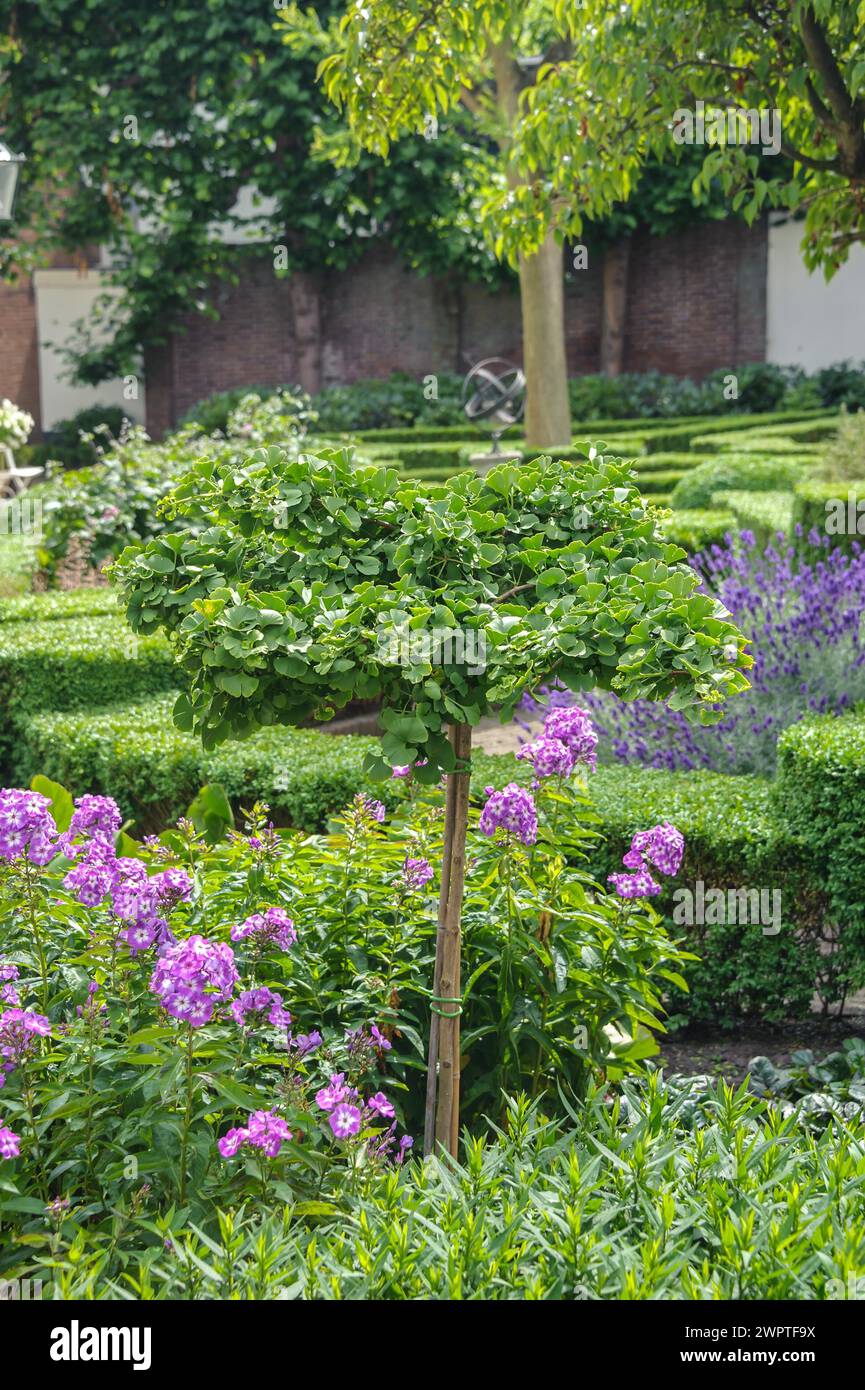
[{"x": 299, "y": 593}]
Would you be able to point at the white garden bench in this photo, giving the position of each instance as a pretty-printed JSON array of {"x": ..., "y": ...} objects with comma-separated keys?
[{"x": 13, "y": 479}]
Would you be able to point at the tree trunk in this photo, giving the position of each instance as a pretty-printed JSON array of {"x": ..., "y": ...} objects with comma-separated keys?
[
  {"x": 443, "y": 1073},
  {"x": 542, "y": 300},
  {"x": 303, "y": 291},
  {"x": 616, "y": 261}
]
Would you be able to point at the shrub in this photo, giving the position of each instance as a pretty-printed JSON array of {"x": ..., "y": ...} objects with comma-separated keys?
[
  {"x": 766, "y": 515},
  {"x": 75, "y": 664},
  {"x": 210, "y": 416},
  {"x": 821, "y": 793},
  {"x": 53, "y": 606},
  {"x": 844, "y": 456},
  {"x": 734, "y": 473},
  {"x": 153, "y": 771},
  {"x": 78, "y": 441},
  {"x": 697, "y": 528},
  {"x": 830, "y": 513}
]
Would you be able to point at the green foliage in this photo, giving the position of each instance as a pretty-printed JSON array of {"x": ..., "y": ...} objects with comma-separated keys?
[
  {"x": 832, "y": 508},
  {"x": 696, "y": 528},
  {"x": 76, "y": 442},
  {"x": 767, "y": 514},
  {"x": 844, "y": 457},
  {"x": 221, "y": 106},
  {"x": 630, "y": 1201},
  {"x": 702, "y": 486},
  {"x": 75, "y": 664},
  {"x": 57, "y": 606},
  {"x": 820, "y": 790},
  {"x": 277, "y": 622}
]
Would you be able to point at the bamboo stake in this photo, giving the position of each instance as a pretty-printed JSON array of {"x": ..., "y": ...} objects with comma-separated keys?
[{"x": 447, "y": 972}]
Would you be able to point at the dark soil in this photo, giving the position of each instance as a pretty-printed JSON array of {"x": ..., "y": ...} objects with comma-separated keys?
[{"x": 716, "y": 1052}]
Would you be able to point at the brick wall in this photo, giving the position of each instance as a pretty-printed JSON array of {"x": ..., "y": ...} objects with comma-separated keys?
[
  {"x": 696, "y": 301},
  {"x": 19, "y": 362}
]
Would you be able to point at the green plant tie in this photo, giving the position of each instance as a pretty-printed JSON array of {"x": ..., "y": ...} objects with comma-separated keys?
[{"x": 443, "y": 999}]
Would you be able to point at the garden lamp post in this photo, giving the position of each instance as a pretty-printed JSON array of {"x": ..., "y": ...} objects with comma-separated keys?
[{"x": 10, "y": 167}]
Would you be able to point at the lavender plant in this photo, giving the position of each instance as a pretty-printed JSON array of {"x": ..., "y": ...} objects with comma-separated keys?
[{"x": 804, "y": 619}]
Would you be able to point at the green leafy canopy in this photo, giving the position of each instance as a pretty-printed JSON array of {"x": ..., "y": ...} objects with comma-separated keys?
[{"x": 296, "y": 596}]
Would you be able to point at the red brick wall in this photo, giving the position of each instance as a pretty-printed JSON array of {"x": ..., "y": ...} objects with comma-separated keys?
[
  {"x": 19, "y": 361},
  {"x": 696, "y": 301}
]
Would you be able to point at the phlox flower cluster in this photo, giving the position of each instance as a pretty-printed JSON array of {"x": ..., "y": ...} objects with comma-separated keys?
[
  {"x": 512, "y": 810},
  {"x": 8, "y": 975},
  {"x": 362, "y": 1040},
  {"x": 27, "y": 829},
  {"x": 20, "y": 1031},
  {"x": 347, "y": 1112},
  {"x": 192, "y": 976},
  {"x": 416, "y": 873},
  {"x": 272, "y": 927},
  {"x": 260, "y": 1005},
  {"x": 573, "y": 727},
  {"x": 662, "y": 847},
  {"x": 10, "y": 1144},
  {"x": 266, "y": 1130}
]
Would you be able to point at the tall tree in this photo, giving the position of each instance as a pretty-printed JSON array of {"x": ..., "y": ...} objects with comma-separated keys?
[
  {"x": 396, "y": 67},
  {"x": 773, "y": 90}
]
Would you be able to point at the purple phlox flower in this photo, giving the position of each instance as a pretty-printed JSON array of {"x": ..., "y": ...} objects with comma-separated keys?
[
  {"x": 573, "y": 727},
  {"x": 253, "y": 1004},
  {"x": 368, "y": 808},
  {"x": 96, "y": 872},
  {"x": 186, "y": 971},
  {"x": 638, "y": 885},
  {"x": 663, "y": 847},
  {"x": 8, "y": 993},
  {"x": 307, "y": 1042},
  {"x": 513, "y": 810},
  {"x": 549, "y": 757},
  {"x": 274, "y": 926},
  {"x": 333, "y": 1094},
  {"x": 20, "y": 1030},
  {"x": 172, "y": 886},
  {"x": 417, "y": 873},
  {"x": 402, "y": 770},
  {"x": 378, "y": 1039},
  {"x": 95, "y": 815},
  {"x": 359, "y": 1040},
  {"x": 405, "y": 1143},
  {"x": 345, "y": 1121},
  {"x": 27, "y": 827},
  {"x": 10, "y": 1144},
  {"x": 380, "y": 1105},
  {"x": 266, "y": 1130}
]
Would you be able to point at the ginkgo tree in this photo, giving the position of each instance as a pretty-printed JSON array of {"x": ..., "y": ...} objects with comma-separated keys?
[{"x": 291, "y": 593}]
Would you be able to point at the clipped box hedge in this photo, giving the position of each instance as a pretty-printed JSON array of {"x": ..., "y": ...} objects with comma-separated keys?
[
  {"x": 695, "y": 528},
  {"x": 735, "y": 473},
  {"x": 765, "y": 513},
  {"x": 816, "y": 507},
  {"x": 74, "y": 664},
  {"x": 56, "y": 605},
  {"x": 820, "y": 793},
  {"x": 135, "y": 754}
]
